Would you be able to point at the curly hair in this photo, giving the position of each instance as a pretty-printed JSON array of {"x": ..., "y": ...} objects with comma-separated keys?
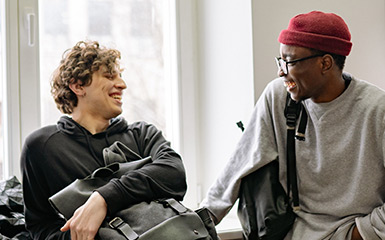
[{"x": 77, "y": 65}]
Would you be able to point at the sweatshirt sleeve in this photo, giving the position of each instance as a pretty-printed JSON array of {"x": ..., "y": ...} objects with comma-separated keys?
[
  {"x": 256, "y": 148},
  {"x": 41, "y": 220},
  {"x": 372, "y": 226},
  {"x": 163, "y": 178}
]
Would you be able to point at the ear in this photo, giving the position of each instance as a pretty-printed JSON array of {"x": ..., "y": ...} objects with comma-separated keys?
[
  {"x": 327, "y": 63},
  {"x": 77, "y": 88}
]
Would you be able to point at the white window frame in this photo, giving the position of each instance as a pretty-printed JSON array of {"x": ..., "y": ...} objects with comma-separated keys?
[
  {"x": 21, "y": 88},
  {"x": 186, "y": 43}
]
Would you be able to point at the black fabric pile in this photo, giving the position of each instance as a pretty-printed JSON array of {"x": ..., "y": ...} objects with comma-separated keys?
[{"x": 12, "y": 221}]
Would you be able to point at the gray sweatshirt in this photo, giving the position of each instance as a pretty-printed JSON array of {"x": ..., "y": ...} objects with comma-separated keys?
[{"x": 340, "y": 165}]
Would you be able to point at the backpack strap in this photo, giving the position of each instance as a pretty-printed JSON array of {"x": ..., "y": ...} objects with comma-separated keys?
[
  {"x": 292, "y": 112},
  {"x": 300, "y": 134}
]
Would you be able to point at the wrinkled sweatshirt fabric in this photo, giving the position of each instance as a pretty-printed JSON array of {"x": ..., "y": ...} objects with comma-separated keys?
[
  {"x": 340, "y": 165},
  {"x": 56, "y": 155}
]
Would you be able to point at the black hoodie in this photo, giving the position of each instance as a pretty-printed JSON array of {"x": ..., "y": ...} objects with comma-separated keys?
[{"x": 56, "y": 155}]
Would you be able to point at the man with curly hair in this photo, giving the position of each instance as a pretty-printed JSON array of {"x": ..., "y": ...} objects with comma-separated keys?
[{"x": 87, "y": 86}]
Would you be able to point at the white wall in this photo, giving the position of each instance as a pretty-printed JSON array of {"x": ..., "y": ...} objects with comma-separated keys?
[{"x": 225, "y": 81}]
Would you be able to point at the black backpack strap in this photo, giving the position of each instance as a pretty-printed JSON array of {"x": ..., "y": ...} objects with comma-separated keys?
[
  {"x": 293, "y": 110},
  {"x": 300, "y": 134}
]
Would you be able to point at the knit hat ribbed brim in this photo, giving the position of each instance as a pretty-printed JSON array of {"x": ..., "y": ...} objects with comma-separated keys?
[{"x": 327, "y": 32}]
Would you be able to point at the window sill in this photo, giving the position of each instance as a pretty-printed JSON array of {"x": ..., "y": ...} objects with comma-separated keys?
[{"x": 230, "y": 228}]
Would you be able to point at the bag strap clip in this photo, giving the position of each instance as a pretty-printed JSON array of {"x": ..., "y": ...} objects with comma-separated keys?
[{"x": 118, "y": 224}]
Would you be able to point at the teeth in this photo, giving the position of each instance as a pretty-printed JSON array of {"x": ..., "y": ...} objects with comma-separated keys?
[
  {"x": 289, "y": 84},
  {"x": 118, "y": 97}
]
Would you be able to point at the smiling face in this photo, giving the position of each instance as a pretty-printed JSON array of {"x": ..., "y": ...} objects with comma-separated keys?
[
  {"x": 304, "y": 79},
  {"x": 102, "y": 98}
]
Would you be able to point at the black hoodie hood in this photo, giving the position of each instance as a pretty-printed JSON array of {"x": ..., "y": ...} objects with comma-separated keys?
[
  {"x": 69, "y": 126},
  {"x": 94, "y": 142}
]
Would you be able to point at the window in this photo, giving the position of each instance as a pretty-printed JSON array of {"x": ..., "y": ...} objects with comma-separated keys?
[
  {"x": 50, "y": 10},
  {"x": 99, "y": 18},
  {"x": 134, "y": 27},
  {"x": 37, "y": 32}
]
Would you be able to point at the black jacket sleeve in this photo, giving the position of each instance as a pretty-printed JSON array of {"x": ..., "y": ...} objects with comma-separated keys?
[
  {"x": 164, "y": 178},
  {"x": 41, "y": 220}
]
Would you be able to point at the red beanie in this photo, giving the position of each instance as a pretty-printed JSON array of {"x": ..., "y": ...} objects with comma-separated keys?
[{"x": 322, "y": 31}]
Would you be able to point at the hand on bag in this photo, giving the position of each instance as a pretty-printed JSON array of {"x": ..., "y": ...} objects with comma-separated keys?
[
  {"x": 85, "y": 222},
  {"x": 356, "y": 234}
]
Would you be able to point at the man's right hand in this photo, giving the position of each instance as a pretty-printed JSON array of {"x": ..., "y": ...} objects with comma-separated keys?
[{"x": 85, "y": 222}]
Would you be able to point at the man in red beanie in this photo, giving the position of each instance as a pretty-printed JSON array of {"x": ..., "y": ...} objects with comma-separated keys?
[{"x": 340, "y": 165}]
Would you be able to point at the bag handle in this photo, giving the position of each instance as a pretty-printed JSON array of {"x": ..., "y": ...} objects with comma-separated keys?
[{"x": 106, "y": 171}]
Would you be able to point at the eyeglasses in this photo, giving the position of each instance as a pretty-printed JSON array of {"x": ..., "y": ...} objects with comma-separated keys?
[{"x": 282, "y": 63}]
